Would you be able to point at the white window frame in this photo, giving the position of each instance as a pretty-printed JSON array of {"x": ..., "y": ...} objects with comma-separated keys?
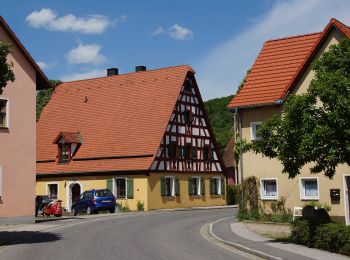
[
  {"x": 172, "y": 186},
  {"x": 199, "y": 189},
  {"x": 115, "y": 189},
  {"x": 219, "y": 185},
  {"x": 7, "y": 113},
  {"x": 48, "y": 190},
  {"x": 263, "y": 191},
  {"x": 302, "y": 188},
  {"x": 253, "y": 136}
]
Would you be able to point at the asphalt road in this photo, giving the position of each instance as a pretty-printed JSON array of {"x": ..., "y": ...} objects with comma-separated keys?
[{"x": 152, "y": 235}]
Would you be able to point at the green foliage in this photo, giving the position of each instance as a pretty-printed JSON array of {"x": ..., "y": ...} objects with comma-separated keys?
[
  {"x": 315, "y": 126},
  {"x": 251, "y": 194},
  {"x": 6, "y": 73},
  {"x": 319, "y": 205},
  {"x": 237, "y": 149},
  {"x": 43, "y": 96},
  {"x": 333, "y": 237},
  {"x": 232, "y": 194},
  {"x": 221, "y": 119},
  {"x": 140, "y": 206}
]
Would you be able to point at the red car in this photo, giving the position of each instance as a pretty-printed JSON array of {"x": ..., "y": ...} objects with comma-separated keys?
[{"x": 53, "y": 208}]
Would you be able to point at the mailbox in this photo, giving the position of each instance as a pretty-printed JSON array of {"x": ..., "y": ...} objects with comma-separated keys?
[{"x": 335, "y": 194}]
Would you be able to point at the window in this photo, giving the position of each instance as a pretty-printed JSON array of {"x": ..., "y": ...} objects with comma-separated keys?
[
  {"x": 4, "y": 113},
  {"x": 121, "y": 187},
  {"x": 196, "y": 186},
  {"x": 216, "y": 186},
  {"x": 206, "y": 153},
  {"x": 170, "y": 186},
  {"x": 309, "y": 189},
  {"x": 187, "y": 151},
  {"x": 179, "y": 152},
  {"x": 194, "y": 152},
  {"x": 52, "y": 190},
  {"x": 124, "y": 188},
  {"x": 268, "y": 188},
  {"x": 172, "y": 150},
  {"x": 254, "y": 126},
  {"x": 64, "y": 152}
]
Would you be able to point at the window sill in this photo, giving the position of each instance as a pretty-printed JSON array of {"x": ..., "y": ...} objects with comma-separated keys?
[
  {"x": 310, "y": 198},
  {"x": 216, "y": 195},
  {"x": 269, "y": 198},
  {"x": 196, "y": 196}
]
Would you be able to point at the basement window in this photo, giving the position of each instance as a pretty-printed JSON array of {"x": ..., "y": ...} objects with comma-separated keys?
[{"x": 4, "y": 113}]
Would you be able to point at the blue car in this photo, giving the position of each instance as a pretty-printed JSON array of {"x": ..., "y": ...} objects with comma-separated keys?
[{"x": 92, "y": 201}]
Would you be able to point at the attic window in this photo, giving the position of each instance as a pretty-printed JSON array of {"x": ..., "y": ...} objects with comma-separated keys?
[
  {"x": 188, "y": 116},
  {"x": 172, "y": 150},
  {"x": 64, "y": 152}
]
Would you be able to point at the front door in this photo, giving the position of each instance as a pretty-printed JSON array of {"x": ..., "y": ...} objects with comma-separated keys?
[{"x": 75, "y": 192}]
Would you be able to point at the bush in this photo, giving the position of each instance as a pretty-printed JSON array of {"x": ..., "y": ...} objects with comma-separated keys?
[
  {"x": 302, "y": 233},
  {"x": 140, "y": 206},
  {"x": 333, "y": 237},
  {"x": 232, "y": 194}
]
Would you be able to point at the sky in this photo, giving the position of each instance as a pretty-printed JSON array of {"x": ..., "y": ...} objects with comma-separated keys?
[{"x": 219, "y": 39}]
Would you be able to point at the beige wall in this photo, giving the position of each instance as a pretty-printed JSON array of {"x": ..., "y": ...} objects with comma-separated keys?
[
  {"x": 17, "y": 153},
  {"x": 262, "y": 167}
]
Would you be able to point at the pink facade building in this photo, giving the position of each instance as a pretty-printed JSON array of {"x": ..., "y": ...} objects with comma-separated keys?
[{"x": 18, "y": 133}]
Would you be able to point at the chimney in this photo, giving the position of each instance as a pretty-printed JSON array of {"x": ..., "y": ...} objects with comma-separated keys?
[
  {"x": 112, "y": 72},
  {"x": 140, "y": 68}
]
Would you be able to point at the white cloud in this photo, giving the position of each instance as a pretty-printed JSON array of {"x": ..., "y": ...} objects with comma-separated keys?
[
  {"x": 83, "y": 75},
  {"x": 48, "y": 19},
  {"x": 43, "y": 65},
  {"x": 221, "y": 71},
  {"x": 158, "y": 31},
  {"x": 180, "y": 33},
  {"x": 86, "y": 54}
]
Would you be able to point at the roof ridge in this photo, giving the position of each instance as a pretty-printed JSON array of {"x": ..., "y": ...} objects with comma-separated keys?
[
  {"x": 129, "y": 73},
  {"x": 293, "y": 36}
]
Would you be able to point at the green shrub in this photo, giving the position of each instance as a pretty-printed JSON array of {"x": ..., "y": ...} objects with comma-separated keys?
[
  {"x": 333, "y": 237},
  {"x": 301, "y": 233},
  {"x": 232, "y": 194},
  {"x": 319, "y": 205},
  {"x": 140, "y": 206}
]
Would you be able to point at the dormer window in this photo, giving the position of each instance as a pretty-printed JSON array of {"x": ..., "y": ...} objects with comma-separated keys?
[
  {"x": 68, "y": 145},
  {"x": 64, "y": 153}
]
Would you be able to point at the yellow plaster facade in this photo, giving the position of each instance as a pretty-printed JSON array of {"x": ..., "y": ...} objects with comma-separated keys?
[{"x": 146, "y": 189}]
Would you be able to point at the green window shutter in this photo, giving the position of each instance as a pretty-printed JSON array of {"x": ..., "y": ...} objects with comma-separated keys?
[
  {"x": 211, "y": 186},
  {"x": 223, "y": 186},
  {"x": 110, "y": 184},
  {"x": 202, "y": 186},
  {"x": 162, "y": 186},
  {"x": 177, "y": 186},
  {"x": 190, "y": 186},
  {"x": 130, "y": 188}
]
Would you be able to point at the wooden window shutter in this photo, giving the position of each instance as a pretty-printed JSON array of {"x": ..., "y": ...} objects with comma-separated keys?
[
  {"x": 130, "y": 188},
  {"x": 110, "y": 185},
  {"x": 162, "y": 186},
  {"x": 211, "y": 186},
  {"x": 223, "y": 186},
  {"x": 202, "y": 185},
  {"x": 177, "y": 186},
  {"x": 190, "y": 186}
]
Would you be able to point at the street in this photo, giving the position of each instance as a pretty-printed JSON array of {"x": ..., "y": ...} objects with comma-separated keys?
[{"x": 151, "y": 235}]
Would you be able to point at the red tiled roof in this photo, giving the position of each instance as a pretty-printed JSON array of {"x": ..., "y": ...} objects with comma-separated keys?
[
  {"x": 117, "y": 116},
  {"x": 70, "y": 137},
  {"x": 278, "y": 66}
]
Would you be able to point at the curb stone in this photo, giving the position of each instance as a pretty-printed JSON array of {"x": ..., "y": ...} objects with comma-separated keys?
[{"x": 239, "y": 246}]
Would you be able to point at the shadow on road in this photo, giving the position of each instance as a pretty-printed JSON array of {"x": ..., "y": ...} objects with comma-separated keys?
[{"x": 26, "y": 237}]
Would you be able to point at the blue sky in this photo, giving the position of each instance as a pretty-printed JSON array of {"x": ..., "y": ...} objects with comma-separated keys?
[{"x": 219, "y": 39}]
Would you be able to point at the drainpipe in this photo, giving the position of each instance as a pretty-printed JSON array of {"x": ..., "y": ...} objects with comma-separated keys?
[{"x": 238, "y": 128}]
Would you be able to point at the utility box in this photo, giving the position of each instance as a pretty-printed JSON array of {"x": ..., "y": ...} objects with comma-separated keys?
[{"x": 335, "y": 194}]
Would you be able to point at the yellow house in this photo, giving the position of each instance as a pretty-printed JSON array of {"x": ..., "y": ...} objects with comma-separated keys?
[
  {"x": 143, "y": 135},
  {"x": 282, "y": 67}
]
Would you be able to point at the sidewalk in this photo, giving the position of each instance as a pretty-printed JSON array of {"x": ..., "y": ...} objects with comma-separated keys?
[{"x": 233, "y": 233}]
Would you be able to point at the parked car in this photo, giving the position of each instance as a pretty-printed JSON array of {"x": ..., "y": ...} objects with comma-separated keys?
[
  {"x": 93, "y": 201},
  {"x": 40, "y": 202}
]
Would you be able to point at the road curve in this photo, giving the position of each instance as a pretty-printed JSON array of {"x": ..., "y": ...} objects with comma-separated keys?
[{"x": 152, "y": 235}]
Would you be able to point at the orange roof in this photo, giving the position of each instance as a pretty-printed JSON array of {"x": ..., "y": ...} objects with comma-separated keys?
[
  {"x": 121, "y": 118},
  {"x": 278, "y": 66}
]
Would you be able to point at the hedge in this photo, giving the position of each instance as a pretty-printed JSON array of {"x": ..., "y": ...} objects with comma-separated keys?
[{"x": 333, "y": 237}]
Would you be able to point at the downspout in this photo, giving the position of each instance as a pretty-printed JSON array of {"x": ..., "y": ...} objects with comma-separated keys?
[{"x": 241, "y": 155}]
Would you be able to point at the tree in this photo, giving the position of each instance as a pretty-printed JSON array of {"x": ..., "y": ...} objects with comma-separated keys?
[
  {"x": 6, "y": 73},
  {"x": 43, "y": 96},
  {"x": 315, "y": 126}
]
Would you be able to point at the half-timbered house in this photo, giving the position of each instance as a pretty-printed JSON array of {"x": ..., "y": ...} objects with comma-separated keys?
[{"x": 144, "y": 135}]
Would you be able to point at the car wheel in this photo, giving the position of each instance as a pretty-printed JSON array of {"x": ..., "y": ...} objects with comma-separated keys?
[
  {"x": 74, "y": 212},
  {"x": 89, "y": 211},
  {"x": 112, "y": 210}
]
